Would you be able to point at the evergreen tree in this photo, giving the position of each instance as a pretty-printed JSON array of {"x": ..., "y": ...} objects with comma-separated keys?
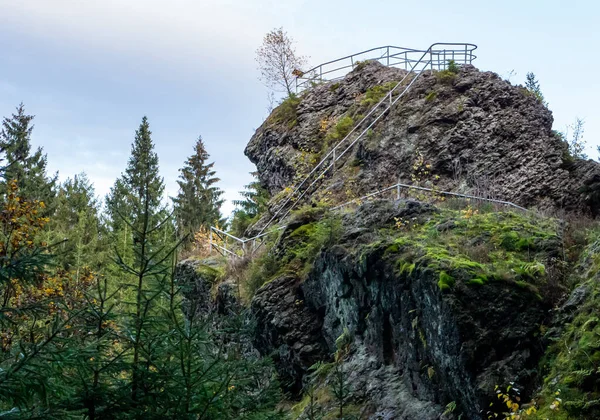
[
  {"x": 29, "y": 170},
  {"x": 532, "y": 85},
  {"x": 76, "y": 221},
  {"x": 254, "y": 203},
  {"x": 198, "y": 202},
  {"x": 136, "y": 199}
]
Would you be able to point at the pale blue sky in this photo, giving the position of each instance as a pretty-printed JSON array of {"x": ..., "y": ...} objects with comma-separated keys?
[{"x": 90, "y": 69}]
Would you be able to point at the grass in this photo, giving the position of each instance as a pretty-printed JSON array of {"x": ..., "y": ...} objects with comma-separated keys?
[
  {"x": 484, "y": 247},
  {"x": 431, "y": 96},
  {"x": 341, "y": 128},
  {"x": 375, "y": 94},
  {"x": 286, "y": 112},
  {"x": 572, "y": 363}
]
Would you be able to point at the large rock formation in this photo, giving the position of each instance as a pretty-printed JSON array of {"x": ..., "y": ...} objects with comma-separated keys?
[
  {"x": 433, "y": 318},
  {"x": 478, "y": 132}
]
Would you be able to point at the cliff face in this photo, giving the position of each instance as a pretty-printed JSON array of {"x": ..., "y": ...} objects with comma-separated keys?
[
  {"x": 478, "y": 132},
  {"x": 437, "y": 311},
  {"x": 399, "y": 309}
]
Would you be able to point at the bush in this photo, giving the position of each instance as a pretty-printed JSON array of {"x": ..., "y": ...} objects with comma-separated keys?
[
  {"x": 453, "y": 67},
  {"x": 285, "y": 113},
  {"x": 376, "y": 93},
  {"x": 341, "y": 129}
]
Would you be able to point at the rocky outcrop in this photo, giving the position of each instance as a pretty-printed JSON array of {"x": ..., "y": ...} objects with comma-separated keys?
[
  {"x": 416, "y": 345},
  {"x": 287, "y": 330},
  {"x": 478, "y": 132}
]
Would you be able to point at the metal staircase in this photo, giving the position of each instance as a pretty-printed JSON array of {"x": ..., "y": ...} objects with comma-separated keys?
[{"x": 436, "y": 57}]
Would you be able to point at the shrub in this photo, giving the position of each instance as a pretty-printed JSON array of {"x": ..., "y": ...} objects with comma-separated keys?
[
  {"x": 453, "y": 67},
  {"x": 285, "y": 113},
  {"x": 341, "y": 129},
  {"x": 431, "y": 96},
  {"x": 376, "y": 93}
]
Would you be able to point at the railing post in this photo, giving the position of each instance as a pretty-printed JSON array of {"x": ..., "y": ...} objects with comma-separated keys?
[
  {"x": 388, "y": 56},
  {"x": 398, "y": 192},
  {"x": 334, "y": 159}
]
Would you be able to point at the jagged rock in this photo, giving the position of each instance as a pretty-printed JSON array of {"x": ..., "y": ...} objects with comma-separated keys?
[
  {"x": 287, "y": 330},
  {"x": 480, "y": 134},
  {"x": 416, "y": 348}
]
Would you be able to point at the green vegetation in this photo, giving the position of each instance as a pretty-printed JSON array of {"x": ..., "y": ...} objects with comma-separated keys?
[
  {"x": 341, "y": 129},
  {"x": 296, "y": 251},
  {"x": 375, "y": 94},
  {"x": 573, "y": 361},
  {"x": 98, "y": 330},
  {"x": 285, "y": 113},
  {"x": 198, "y": 201},
  {"x": 431, "y": 96},
  {"x": 533, "y": 87},
  {"x": 250, "y": 208},
  {"x": 453, "y": 67},
  {"x": 474, "y": 248}
]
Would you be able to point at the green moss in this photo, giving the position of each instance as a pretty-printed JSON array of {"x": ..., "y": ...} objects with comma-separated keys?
[
  {"x": 446, "y": 281},
  {"x": 506, "y": 247},
  {"x": 572, "y": 364},
  {"x": 334, "y": 87},
  {"x": 445, "y": 76},
  {"x": 286, "y": 112},
  {"x": 375, "y": 94},
  {"x": 477, "y": 281},
  {"x": 210, "y": 274},
  {"x": 431, "y": 96},
  {"x": 341, "y": 129}
]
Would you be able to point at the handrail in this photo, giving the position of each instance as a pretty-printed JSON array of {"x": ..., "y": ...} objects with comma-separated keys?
[
  {"x": 242, "y": 241},
  {"x": 415, "y": 187},
  {"x": 468, "y": 48},
  {"x": 404, "y": 56}
]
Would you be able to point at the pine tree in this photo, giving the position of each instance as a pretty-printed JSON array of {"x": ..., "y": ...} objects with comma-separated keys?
[
  {"x": 29, "y": 170},
  {"x": 198, "y": 202}
]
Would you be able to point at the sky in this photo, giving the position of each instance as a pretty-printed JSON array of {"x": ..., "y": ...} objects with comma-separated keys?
[{"x": 89, "y": 70}]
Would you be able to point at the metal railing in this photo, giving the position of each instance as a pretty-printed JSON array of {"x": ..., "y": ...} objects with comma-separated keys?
[
  {"x": 398, "y": 188},
  {"x": 428, "y": 57},
  {"x": 391, "y": 56},
  {"x": 436, "y": 57},
  {"x": 220, "y": 241}
]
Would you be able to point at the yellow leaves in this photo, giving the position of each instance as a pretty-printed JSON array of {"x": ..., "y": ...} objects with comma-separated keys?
[
  {"x": 324, "y": 125},
  {"x": 467, "y": 214},
  {"x": 510, "y": 399}
]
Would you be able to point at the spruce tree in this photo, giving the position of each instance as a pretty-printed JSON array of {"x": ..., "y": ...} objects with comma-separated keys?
[
  {"x": 29, "y": 170},
  {"x": 198, "y": 202},
  {"x": 248, "y": 210},
  {"x": 76, "y": 222}
]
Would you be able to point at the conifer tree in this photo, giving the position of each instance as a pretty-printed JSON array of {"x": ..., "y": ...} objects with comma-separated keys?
[
  {"x": 76, "y": 222},
  {"x": 29, "y": 170},
  {"x": 254, "y": 203},
  {"x": 198, "y": 202}
]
